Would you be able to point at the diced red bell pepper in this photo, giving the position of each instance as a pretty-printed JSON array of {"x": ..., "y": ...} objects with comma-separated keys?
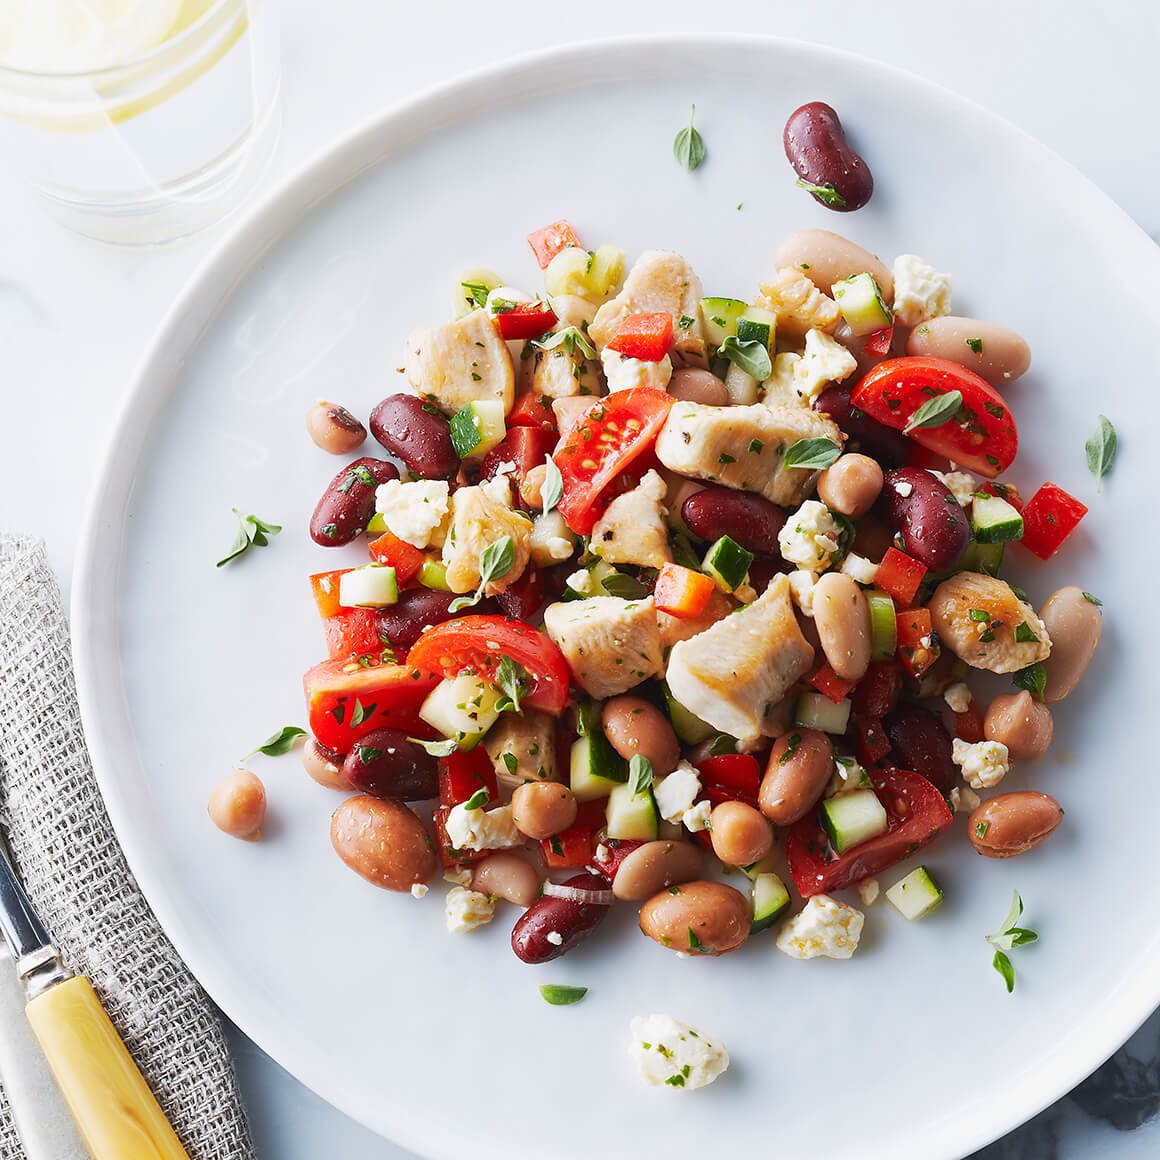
[
  {"x": 610, "y": 854},
  {"x": 324, "y": 585},
  {"x": 827, "y": 682},
  {"x": 463, "y": 775},
  {"x": 448, "y": 854},
  {"x": 576, "y": 845},
  {"x": 736, "y": 776},
  {"x": 352, "y": 633},
  {"x": 879, "y": 342},
  {"x": 549, "y": 241},
  {"x": 900, "y": 575},
  {"x": 644, "y": 336},
  {"x": 918, "y": 646},
  {"x": 1007, "y": 491},
  {"x": 1051, "y": 515},
  {"x": 525, "y": 320},
  {"x": 969, "y": 724},
  {"x": 405, "y": 558},
  {"x": 877, "y": 692},
  {"x": 682, "y": 592},
  {"x": 870, "y": 741},
  {"x": 533, "y": 410}
]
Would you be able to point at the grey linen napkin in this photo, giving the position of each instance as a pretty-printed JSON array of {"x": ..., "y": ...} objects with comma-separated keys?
[{"x": 68, "y": 857}]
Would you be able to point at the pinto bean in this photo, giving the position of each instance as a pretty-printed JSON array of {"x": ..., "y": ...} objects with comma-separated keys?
[
  {"x": 652, "y": 866},
  {"x": 383, "y": 841},
  {"x": 698, "y": 386},
  {"x": 387, "y": 764},
  {"x": 1020, "y": 722},
  {"x": 400, "y": 624},
  {"x": 842, "y": 618},
  {"x": 749, "y": 519},
  {"x": 418, "y": 433},
  {"x": 1074, "y": 624},
  {"x": 889, "y": 447},
  {"x": 237, "y": 805},
  {"x": 324, "y": 765},
  {"x": 799, "y": 769},
  {"x": 507, "y": 876},
  {"x": 348, "y": 502},
  {"x": 826, "y": 258},
  {"x": 706, "y": 918},
  {"x": 851, "y": 485},
  {"x": 334, "y": 428},
  {"x": 817, "y": 148},
  {"x": 997, "y": 354},
  {"x": 634, "y": 725},
  {"x": 543, "y": 808},
  {"x": 568, "y": 919},
  {"x": 921, "y": 744},
  {"x": 740, "y": 834},
  {"x": 934, "y": 529},
  {"x": 1011, "y": 823}
]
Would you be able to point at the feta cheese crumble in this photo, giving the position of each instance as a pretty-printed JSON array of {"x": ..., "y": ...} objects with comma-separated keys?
[
  {"x": 984, "y": 764},
  {"x": 809, "y": 538},
  {"x": 868, "y": 891},
  {"x": 482, "y": 829},
  {"x": 825, "y": 361},
  {"x": 697, "y": 818},
  {"x": 960, "y": 484},
  {"x": 920, "y": 291},
  {"x": 676, "y": 793},
  {"x": 847, "y": 775},
  {"x": 963, "y": 800},
  {"x": 624, "y": 373},
  {"x": 418, "y": 890},
  {"x": 859, "y": 569},
  {"x": 825, "y": 927},
  {"x": 468, "y": 910},
  {"x": 673, "y": 1054},
  {"x": 958, "y": 697},
  {"x": 903, "y": 488},
  {"x": 801, "y": 590},
  {"x": 555, "y": 938},
  {"x": 581, "y": 581},
  {"x": 413, "y": 511}
]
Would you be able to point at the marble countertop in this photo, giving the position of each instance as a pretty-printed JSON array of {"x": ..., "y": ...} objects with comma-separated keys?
[{"x": 75, "y": 316}]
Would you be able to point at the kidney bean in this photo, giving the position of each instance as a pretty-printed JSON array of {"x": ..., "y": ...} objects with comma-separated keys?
[
  {"x": 383, "y": 841},
  {"x": 543, "y": 808},
  {"x": 654, "y": 865},
  {"x": 697, "y": 386},
  {"x": 507, "y": 876},
  {"x": 889, "y": 447},
  {"x": 348, "y": 502},
  {"x": 523, "y": 599},
  {"x": 421, "y": 438},
  {"x": 1074, "y": 624},
  {"x": 816, "y": 146},
  {"x": 401, "y": 623},
  {"x": 851, "y": 485},
  {"x": 749, "y": 519},
  {"x": 573, "y": 921},
  {"x": 877, "y": 692},
  {"x": 935, "y": 530},
  {"x": 237, "y": 805},
  {"x": 1011, "y": 823},
  {"x": 707, "y": 918},
  {"x": 997, "y": 354},
  {"x": 389, "y": 765},
  {"x": 921, "y": 744},
  {"x": 825, "y": 258},
  {"x": 333, "y": 428},
  {"x": 634, "y": 725},
  {"x": 739, "y": 833},
  {"x": 799, "y": 769},
  {"x": 1020, "y": 722},
  {"x": 842, "y": 618},
  {"x": 324, "y": 765}
]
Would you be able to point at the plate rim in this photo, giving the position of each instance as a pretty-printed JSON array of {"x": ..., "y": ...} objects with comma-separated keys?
[{"x": 234, "y": 258}]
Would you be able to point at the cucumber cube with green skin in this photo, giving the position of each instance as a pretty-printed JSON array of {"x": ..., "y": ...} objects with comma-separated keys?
[
  {"x": 854, "y": 817},
  {"x": 915, "y": 895},
  {"x": 371, "y": 586},
  {"x": 433, "y": 574},
  {"x": 883, "y": 625},
  {"x": 815, "y": 711},
  {"x": 595, "y": 768},
  {"x": 994, "y": 520},
  {"x": 728, "y": 563},
  {"x": 768, "y": 865},
  {"x": 377, "y": 525},
  {"x": 758, "y": 324},
  {"x": 632, "y": 816},
  {"x": 720, "y": 316},
  {"x": 477, "y": 428},
  {"x": 770, "y": 901},
  {"x": 861, "y": 303},
  {"x": 463, "y": 707},
  {"x": 686, "y": 725}
]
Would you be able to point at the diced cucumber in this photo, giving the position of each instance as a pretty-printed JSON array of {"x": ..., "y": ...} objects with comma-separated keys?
[
  {"x": 854, "y": 817},
  {"x": 371, "y": 586},
  {"x": 728, "y": 563},
  {"x": 433, "y": 574},
  {"x": 605, "y": 270},
  {"x": 462, "y": 706},
  {"x": 995, "y": 520},
  {"x": 477, "y": 428},
  {"x": 567, "y": 272},
  {"x": 595, "y": 768},
  {"x": 861, "y": 303},
  {"x": 916, "y": 894},
  {"x": 720, "y": 316},
  {"x": 768, "y": 865},
  {"x": 815, "y": 711},
  {"x": 740, "y": 385},
  {"x": 976, "y": 558},
  {"x": 883, "y": 625},
  {"x": 758, "y": 324},
  {"x": 632, "y": 815},
  {"x": 472, "y": 289},
  {"x": 598, "y": 571},
  {"x": 686, "y": 725},
  {"x": 770, "y": 901},
  {"x": 377, "y": 525},
  {"x": 547, "y": 532}
]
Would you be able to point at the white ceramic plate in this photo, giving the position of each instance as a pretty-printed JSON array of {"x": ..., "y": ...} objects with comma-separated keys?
[{"x": 912, "y": 1048}]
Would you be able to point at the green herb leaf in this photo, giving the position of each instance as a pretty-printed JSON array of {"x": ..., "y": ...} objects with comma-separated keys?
[
  {"x": 510, "y": 762},
  {"x": 441, "y": 748},
  {"x": 553, "y": 490},
  {"x": 640, "y": 774},
  {"x": 252, "y": 533},
  {"x": 1014, "y": 913},
  {"x": 478, "y": 799},
  {"x": 477, "y": 292},
  {"x": 465, "y": 432},
  {"x": 676, "y": 1080},
  {"x": 688, "y": 146},
  {"x": 695, "y": 943},
  {"x": 1101, "y": 450},
  {"x": 1002, "y": 964},
  {"x": 625, "y": 586},
  {"x": 560, "y": 995},
  {"x": 976, "y": 344},
  {"x": 812, "y": 454},
  {"x": 683, "y": 553},
  {"x": 1033, "y": 678},
  {"x": 495, "y": 562},
  {"x": 1024, "y": 634},
  {"x": 570, "y": 338},
  {"x": 1093, "y": 600},
  {"x": 751, "y": 356},
  {"x": 721, "y": 745},
  {"x": 513, "y": 680},
  {"x": 1021, "y": 936},
  {"x": 278, "y": 743},
  {"x": 826, "y": 194},
  {"x": 935, "y": 412}
]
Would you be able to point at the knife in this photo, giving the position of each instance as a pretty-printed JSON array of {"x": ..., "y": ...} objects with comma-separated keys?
[{"x": 116, "y": 1113}]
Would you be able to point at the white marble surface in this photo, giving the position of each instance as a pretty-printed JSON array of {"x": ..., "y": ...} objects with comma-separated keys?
[{"x": 74, "y": 316}]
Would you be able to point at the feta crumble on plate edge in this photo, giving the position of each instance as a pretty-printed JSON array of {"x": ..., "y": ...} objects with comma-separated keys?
[{"x": 673, "y": 1054}]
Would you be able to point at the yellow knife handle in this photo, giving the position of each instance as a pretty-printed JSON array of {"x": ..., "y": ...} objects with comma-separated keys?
[{"x": 111, "y": 1102}]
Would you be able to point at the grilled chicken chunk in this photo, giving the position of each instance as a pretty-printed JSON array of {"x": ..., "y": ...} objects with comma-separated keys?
[
  {"x": 611, "y": 644},
  {"x": 733, "y": 674},
  {"x": 479, "y": 517},
  {"x": 460, "y": 362},
  {"x": 675, "y": 628},
  {"x": 659, "y": 281},
  {"x": 633, "y": 529},
  {"x": 798, "y": 304},
  {"x": 522, "y": 747},
  {"x": 560, "y": 373}
]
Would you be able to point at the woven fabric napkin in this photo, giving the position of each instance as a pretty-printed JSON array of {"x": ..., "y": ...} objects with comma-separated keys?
[{"x": 68, "y": 858}]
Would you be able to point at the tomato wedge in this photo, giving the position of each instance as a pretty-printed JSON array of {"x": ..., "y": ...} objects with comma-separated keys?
[
  {"x": 917, "y": 814},
  {"x": 981, "y": 435},
  {"x": 611, "y": 434},
  {"x": 346, "y": 700},
  {"x": 478, "y": 644},
  {"x": 352, "y": 632}
]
